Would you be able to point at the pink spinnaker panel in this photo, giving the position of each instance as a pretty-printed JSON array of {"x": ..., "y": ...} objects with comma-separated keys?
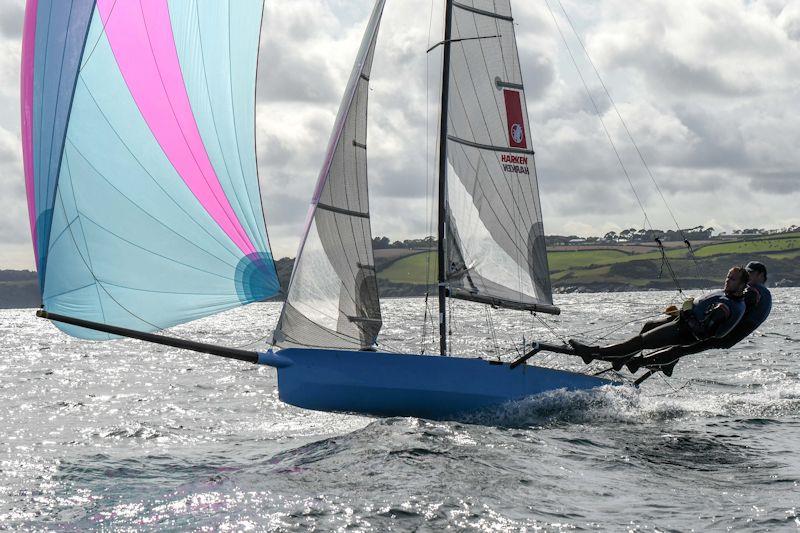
[
  {"x": 140, "y": 34},
  {"x": 26, "y": 107}
]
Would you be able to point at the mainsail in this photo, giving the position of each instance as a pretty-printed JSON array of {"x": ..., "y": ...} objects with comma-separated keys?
[
  {"x": 495, "y": 242},
  {"x": 332, "y": 300},
  {"x": 138, "y": 144}
]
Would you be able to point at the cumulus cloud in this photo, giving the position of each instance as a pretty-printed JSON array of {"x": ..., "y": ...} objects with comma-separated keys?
[
  {"x": 707, "y": 88},
  {"x": 12, "y": 13}
]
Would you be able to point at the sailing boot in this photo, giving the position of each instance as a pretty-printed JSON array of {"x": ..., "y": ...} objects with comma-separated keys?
[
  {"x": 634, "y": 364},
  {"x": 618, "y": 362},
  {"x": 586, "y": 352},
  {"x": 668, "y": 368}
]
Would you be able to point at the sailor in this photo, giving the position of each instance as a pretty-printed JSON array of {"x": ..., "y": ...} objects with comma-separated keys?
[
  {"x": 758, "y": 304},
  {"x": 711, "y": 316}
]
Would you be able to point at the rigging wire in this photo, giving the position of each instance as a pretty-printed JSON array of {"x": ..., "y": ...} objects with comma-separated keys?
[
  {"x": 593, "y": 101},
  {"x": 633, "y": 141},
  {"x": 599, "y": 115},
  {"x": 429, "y": 203},
  {"x": 487, "y": 311}
]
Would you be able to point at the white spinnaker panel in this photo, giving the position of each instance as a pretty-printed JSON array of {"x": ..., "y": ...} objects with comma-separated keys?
[
  {"x": 332, "y": 300},
  {"x": 496, "y": 250}
]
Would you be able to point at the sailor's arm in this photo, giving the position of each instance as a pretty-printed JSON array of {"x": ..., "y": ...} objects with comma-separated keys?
[{"x": 708, "y": 326}]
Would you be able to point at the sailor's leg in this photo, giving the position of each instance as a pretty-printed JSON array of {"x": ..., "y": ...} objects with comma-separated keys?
[
  {"x": 652, "y": 324},
  {"x": 668, "y": 334},
  {"x": 630, "y": 346},
  {"x": 665, "y": 359}
]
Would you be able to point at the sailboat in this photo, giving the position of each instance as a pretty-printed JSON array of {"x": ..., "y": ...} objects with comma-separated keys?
[{"x": 145, "y": 207}]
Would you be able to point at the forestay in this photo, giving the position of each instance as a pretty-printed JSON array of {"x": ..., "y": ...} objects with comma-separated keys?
[
  {"x": 139, "y": 156},
  {"x": 495, "y": 241},
  {"x": 333, "y": 295}
]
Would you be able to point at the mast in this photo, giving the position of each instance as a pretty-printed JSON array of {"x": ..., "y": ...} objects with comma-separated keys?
[{"x": 443, "y": 179}]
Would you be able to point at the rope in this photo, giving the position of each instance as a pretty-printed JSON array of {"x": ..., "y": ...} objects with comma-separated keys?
[
  {"x": 633, "y": 141},
  {"x": 424, "y": 326},
  {"x": 600, "y": 117},
  {"x": 665, "y": 263},
  {"x": 552, "y": 330},
  {"x": 622, "y": 325},
  {"x": 492, "y": 333}
]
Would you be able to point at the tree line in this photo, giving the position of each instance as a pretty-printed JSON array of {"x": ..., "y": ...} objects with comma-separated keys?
[{"x": 697, "y": 233}]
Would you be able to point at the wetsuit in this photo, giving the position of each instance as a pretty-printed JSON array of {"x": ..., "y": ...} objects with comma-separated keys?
[
  {"x": 711, "y": 316},
  {"x": 758, "y": 304}
]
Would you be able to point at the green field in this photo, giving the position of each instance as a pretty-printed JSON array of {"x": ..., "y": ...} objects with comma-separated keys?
[
  {"x": 411, "y": 269},
  {"x": 615, "y": 266},
  {"x": 750, "y": 247}
]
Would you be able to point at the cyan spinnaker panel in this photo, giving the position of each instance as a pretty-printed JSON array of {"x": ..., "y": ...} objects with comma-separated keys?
[
  {"x": 223, "y": 101},
  {"x": 157, "y": 217},
  {"x": 54, "y": 35}
]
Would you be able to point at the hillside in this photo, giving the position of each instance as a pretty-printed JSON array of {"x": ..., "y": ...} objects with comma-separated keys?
[
  {"x": 639, "y": 267},
  {"x": 586, "y": 268},
  {"x": 18, "y": 288}
]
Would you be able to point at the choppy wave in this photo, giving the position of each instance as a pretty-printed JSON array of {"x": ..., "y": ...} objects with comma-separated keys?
[{"x": 127, "y": 436}]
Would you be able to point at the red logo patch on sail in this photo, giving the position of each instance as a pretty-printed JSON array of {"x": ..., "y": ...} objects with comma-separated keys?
[{"x": 516, "y": 123}]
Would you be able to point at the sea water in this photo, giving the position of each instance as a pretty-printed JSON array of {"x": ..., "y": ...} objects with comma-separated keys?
[{"x": 128, "y": 436}]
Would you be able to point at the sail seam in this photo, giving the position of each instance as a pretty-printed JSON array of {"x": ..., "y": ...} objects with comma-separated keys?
[
  {"x": 53, "y": 130},
  {"x": 497, "y": 106},
  {"x": 146, "y": 171},
  {"x": 212, "y": 114},
  {"x": 90, "y": 264},
  {"x": 37, "y": 150},
  {"x": 479, "y": 185},
  {"x": 256, "y": 234},
  {"x": 66, "y": 127},
  {"x": 143, "y": 210},
  {"x": 182, "y": 128},
  {"x": 483, "y": 12},
  {"x": 107, "y": 230}
]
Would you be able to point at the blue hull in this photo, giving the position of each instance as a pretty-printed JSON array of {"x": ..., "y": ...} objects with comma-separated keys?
[{"x": 386, "y": 384}]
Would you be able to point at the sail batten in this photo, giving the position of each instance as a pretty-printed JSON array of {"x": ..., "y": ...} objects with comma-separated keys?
[
  {"x": 139, "y": 142},
  {"x": 496, "y": 247},
  {"x": 332, "y": 299},
  {"x": 489, "y": 146}
]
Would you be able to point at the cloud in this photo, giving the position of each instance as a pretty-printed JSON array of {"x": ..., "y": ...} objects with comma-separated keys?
[
  {"x": 12, "y": 14},
  {"x": 707, "y": 88},
  {"x": 14, "y": 225}
]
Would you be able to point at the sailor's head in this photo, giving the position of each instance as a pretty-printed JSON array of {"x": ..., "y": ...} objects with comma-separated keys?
[
  {"x": 736, "y": 280},
  {"x": 757, "y": 272}
]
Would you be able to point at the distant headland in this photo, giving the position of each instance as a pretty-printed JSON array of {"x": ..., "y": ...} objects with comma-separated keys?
[{"x": 630, "y": 260}]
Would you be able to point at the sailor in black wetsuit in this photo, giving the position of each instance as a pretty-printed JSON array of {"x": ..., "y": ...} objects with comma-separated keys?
[
  {"x": 758, "y": 303},
  {"x": 711, "y": 316}
]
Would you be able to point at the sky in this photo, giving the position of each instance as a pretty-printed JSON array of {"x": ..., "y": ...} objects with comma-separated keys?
[{"x": 707, "y": 88}]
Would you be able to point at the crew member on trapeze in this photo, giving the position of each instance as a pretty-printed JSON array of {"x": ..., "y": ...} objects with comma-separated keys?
[
  {"x": 711, "y": 316},
  {"x": 758, "y": 304}
]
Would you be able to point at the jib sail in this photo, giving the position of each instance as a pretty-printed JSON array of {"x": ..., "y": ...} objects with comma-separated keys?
[{"x": 332, "y": 299}]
